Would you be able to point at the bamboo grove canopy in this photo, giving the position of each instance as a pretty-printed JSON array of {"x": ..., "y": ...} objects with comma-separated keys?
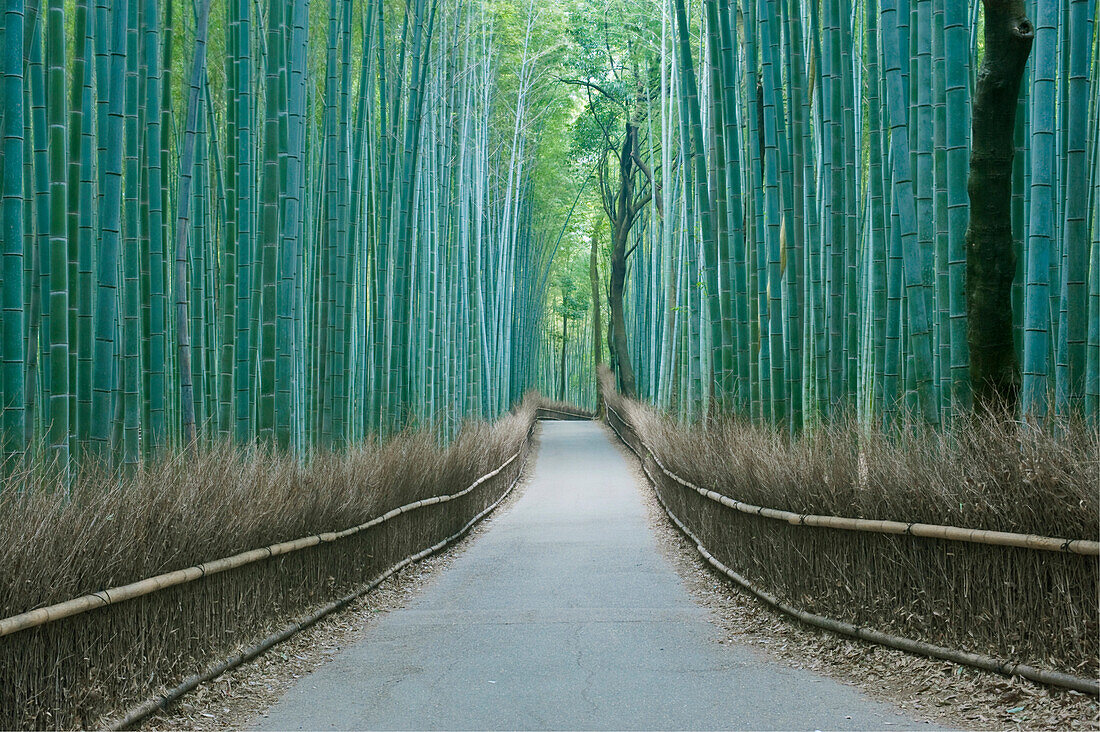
[{"x": 306, "y": 222}]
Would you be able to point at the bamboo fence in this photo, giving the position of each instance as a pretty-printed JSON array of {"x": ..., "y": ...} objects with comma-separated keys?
[
  {"x": 1001, "y": 539},
  {"x": 81, "y": 660},
  {"x": 1084, "y": 547},
  {"x": 544, "y": 412},
  {"x": 113, "y": 595},
  {"x": 143, "y": 711}
]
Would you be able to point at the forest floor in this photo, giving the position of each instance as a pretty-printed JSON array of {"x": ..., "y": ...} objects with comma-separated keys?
[{"x": 945, "y": 693}]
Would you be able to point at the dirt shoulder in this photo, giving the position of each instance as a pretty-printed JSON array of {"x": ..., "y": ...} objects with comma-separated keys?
[{"x": 937, "y": 691}]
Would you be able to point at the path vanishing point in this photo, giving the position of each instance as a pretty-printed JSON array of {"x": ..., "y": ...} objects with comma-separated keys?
[{"x": 565, "y": 615}]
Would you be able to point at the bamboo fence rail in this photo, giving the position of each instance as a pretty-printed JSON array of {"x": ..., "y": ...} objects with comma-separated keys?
[
  {"x": 1084, "y": 547},
  {"x": 976, "y": 660},
  {"x": 114, "y": 595},
  {"x": 569, "y": 415}
]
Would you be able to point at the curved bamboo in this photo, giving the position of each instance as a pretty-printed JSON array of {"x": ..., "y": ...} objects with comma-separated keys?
[
  {"x": 114, "y": 595},
  {"x": 1084, "y": 547},
  {"x": 976, "y": 660}
]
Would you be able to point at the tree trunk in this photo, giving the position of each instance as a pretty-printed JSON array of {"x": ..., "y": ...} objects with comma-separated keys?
[
  {"x": 623, "y": 212},
  {"x": 990, "y": 260},
  {"x": 597, "y": 323},
  {"x": 618, "y": 322}
]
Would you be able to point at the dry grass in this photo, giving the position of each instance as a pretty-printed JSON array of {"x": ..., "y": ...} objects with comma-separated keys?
[
  {"x": 1028, "y": 606},
  {"x": 979, "y": 474},
  {"x": 179, "y": 512}
]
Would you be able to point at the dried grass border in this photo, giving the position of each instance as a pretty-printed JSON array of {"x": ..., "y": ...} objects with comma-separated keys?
[
  {"x": 41, "y": 616},
  {"x": 1084, "y": 547}
]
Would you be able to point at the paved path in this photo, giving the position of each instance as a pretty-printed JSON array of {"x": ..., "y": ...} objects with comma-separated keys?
[{"x": 565, "y": 615}]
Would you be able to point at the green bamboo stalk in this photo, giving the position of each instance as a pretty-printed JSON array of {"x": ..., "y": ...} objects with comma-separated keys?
[
  {"x": 12, "y": 396},
  {"x": 918, "y": 319},
  {"x": 851, "y": 148},
  {"x": 941, "y": 270},
  {"x": 245, "y": 194},
  {"x": 288, "y": 261},
  {"x": 1092, "y": 361},
  {"x": 183, "y": 221},
  {"x": 156, "y": 295},
  {"x": 38, "y": 367},
  {"x": 78, "y": 158},
  {"x": 198, "y": 303},
  {"x": 110, "y": 217},
  {"x": 1079, "y": 25},
  {"x": 275, "y": 78},
  {"x": 957, "y": 92},
  {"x": 774, "y": 229},
  {"x": 131, "y": 378},
  {"x": 922, "y": 129},
  {"x": 833, "y": 172},
  {"x": 58, "y": 433},
  {"x": 1037, "y": 317},
  {"x": 795, "y": 195}
]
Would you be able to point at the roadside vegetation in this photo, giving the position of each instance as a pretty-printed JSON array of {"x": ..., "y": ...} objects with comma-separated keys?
[
  {"x": 1022, "y": 605},
  {"x": 181, "y": 510}
]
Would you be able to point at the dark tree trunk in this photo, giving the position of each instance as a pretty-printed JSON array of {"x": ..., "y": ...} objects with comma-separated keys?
[
  {"x": 990, "y": 258},
  {"x": 623, "y": 213},
  {"x": 597, "y": 323},
  {"x": 618, "y": 321}
]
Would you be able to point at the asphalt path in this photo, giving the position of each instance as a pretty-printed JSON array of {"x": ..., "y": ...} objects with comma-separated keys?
[{"x": 565, "y": 615}]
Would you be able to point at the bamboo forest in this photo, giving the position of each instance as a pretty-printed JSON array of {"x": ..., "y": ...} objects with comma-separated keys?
[
  {"x": 304, "y": 223},
  {"x": 272, "y": 268}
]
